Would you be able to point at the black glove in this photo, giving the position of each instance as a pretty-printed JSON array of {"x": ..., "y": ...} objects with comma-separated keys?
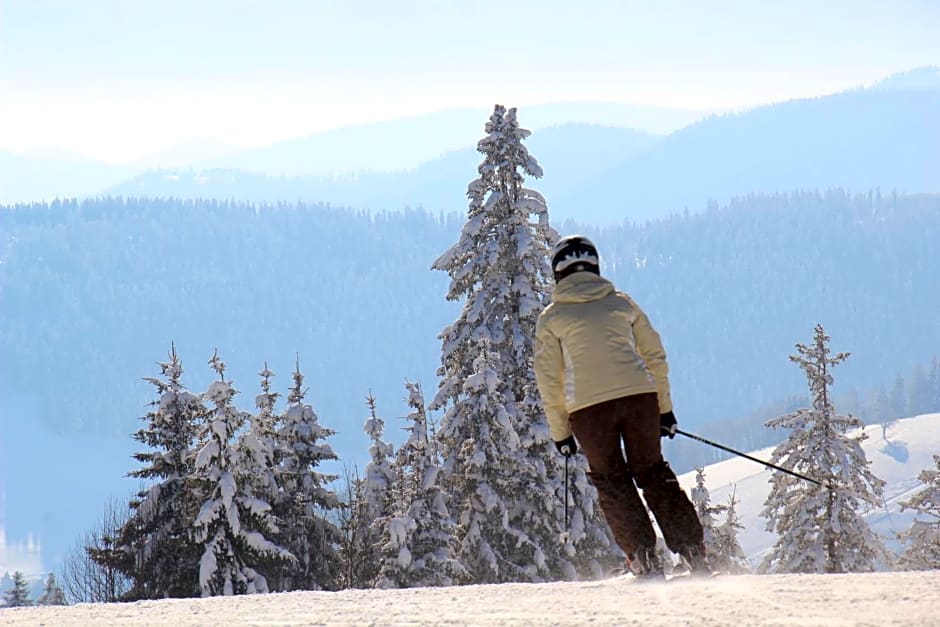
[
  {"x": 567, "y": 447},
  {"x": 668, "y": 425}
]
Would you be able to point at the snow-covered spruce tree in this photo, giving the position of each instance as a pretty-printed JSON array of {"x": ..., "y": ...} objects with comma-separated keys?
[
  {"x": 258, "y": 462},
  {"x": 18, "y": 595},
  {"x": 419, "y": 549},
  {"x": 499, "y": 268},
  {"x": 482, "y": 466},
  {"x": 821, "y": 528},
  {"x": 373, "y": 503},
  {"x": 233, "y": 525},
  {"x": 154, "y": 547},
  {"x": 258, "y": 445},
  {"x": 728, "y": 555},
  {"x": 701, "y": 499},
  {"x": 52, "y": 593},
  {"x": 308, "y": 505},
  {"x": 922, "y": 540}
]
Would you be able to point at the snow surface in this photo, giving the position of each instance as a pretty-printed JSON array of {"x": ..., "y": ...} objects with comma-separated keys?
[
  {"x": 885, "y": 598},
  {"x": 910, "y": 598},
  {"x": 910, "y": 446}
]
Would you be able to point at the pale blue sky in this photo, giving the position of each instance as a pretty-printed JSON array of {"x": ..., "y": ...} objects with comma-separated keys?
[{"x": 117, "y": 79}]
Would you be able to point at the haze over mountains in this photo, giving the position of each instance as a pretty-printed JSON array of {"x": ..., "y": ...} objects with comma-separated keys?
[
  {"x": 884, "y": 136},
  {"x": 389, "y": 146}
]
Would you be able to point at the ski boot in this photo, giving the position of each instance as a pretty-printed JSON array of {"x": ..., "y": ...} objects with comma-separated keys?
[
  {"x": 695, "y": 559},
  {"x": 645, "y": 565}
]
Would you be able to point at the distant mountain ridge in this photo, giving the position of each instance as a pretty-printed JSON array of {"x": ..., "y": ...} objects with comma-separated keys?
[
  {"x": 406, "y": 143},
  {"x": 862, "y": 139},
  {"x": 857, "y": 140},
  {"x": 922, "y": 78},
  {"x": 392, "y": 146},
  {"x": 573, "y": 152},
  {"x": 884, "y": 136},
  {"x": 32, "y": 179}
]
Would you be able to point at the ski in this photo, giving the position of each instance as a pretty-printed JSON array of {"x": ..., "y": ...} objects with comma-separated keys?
[{"x": 627, "y": 576}]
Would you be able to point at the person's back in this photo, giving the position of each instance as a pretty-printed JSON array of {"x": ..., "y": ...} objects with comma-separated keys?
[
  {"x": 602, "y": 373},
  {"x": 607, "y": 345}
]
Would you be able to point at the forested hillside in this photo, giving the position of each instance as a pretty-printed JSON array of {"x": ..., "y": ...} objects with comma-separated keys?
[{"x": 93, "y": 293}]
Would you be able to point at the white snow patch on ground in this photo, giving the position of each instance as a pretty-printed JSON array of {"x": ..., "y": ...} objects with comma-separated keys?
[{"x": 911, "y": 598}]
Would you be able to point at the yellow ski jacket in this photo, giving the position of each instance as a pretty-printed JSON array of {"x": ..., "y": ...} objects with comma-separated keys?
[{"x": 594, "y": 344}]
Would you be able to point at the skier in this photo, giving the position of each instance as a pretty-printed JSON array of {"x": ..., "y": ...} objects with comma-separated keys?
[{"x": 602, "y": 373}]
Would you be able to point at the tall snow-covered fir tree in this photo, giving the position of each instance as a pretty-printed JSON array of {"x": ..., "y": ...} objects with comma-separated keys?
[
  {"x": 307, "y": 504},
  {"x": 419, "y": 547},
  {"x": 155, "y": 546},
  {"x": 821, "y": 528},
  {"x": 922, "y": 540},
  {"x": 233, "y": 526},
  {"x": 499, "y": 269}
]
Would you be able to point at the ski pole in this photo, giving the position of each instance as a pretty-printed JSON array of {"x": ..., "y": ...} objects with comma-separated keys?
[
  {"x": 565, "y": 534},
  {"x": 746, "y": 456}
]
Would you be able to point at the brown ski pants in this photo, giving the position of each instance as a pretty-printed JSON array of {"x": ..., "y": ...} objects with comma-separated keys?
[{"x": 634, "y": 421}]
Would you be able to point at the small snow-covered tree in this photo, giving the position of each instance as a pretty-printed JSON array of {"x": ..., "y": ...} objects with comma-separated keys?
[
  {"x": 18, "y": 595},
  {"x": 701, "y": 499},
  {"x": 258, "y": 445},
  {"x": 724, "y": 552},
  {"x": 727, "y": 555},
  {"x": 154, "y": 547},
  {"x": 821, "y": 528},
  {"x": 499, "y": 268},
  {"x": 233, "y": 526},
  {"x": 420, "y": 533},
  {"x": 373, "y": 503},
  {"x": 307, "y": 505},
  {"x": 922, "y": 540},
  {"x": 52, "y": 593}
]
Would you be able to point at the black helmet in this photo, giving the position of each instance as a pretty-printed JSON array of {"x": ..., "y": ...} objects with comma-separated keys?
[{"x": 574, "y": 253}]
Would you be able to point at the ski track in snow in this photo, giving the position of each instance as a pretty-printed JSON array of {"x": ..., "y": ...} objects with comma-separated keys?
[{"x": 910, "y": 598}]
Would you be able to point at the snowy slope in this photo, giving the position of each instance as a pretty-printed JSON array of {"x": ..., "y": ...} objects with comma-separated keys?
[
  {"x": 909, "y": 449},
  {"x": 910, "y": 598}
]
